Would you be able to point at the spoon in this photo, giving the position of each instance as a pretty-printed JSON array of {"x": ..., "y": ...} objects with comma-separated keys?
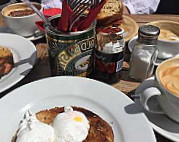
[
  {"x": 37, "y": 12},
  {"x": 38, "y": 33}
]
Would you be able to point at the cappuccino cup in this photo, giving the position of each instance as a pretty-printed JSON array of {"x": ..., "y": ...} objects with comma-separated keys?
[
  {"x": 166, "y": 90},
  {"x": 23, "y": 25}
]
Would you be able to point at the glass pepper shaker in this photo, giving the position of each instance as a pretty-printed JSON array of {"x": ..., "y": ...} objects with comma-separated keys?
[{"x": 144, "y": 53}]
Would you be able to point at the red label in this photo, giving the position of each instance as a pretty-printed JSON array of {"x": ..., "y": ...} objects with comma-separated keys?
[
  {"x": 111, "y": 30},
  {"x": 105, "y": 67}
]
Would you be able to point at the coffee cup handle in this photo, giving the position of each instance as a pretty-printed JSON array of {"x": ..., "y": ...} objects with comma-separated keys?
[{"x": 146, "y": 95}]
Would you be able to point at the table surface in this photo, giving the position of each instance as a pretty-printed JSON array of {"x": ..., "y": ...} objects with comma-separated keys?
[{"x": 126, "y": 85}]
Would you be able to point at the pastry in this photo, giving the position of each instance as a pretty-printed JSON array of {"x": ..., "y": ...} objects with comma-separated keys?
[{"x": 6, "y": 61}]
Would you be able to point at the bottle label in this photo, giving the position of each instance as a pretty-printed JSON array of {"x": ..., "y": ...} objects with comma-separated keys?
[{"x": 108, "y": 66}]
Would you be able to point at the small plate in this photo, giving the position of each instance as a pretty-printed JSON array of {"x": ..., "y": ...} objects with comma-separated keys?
[
  {"x": 128, "y": 24},
  {"x": 130, "y": 27},
  {"x": 109, "y": 103},
  {"x": 24, "y": 57},
  {"x": 160, "y": 122}
]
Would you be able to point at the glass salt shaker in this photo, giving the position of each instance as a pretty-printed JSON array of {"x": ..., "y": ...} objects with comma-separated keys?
[{"x": 144, "y": 53}]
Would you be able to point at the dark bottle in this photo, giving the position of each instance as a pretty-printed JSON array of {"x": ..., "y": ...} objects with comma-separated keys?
[{"x": 109, "y": 55}]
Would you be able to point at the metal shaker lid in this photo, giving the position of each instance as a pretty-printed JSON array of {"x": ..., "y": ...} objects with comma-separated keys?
[{"x": 149, "y": 30}]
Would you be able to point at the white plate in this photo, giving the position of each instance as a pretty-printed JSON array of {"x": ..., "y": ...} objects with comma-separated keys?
[
  {"x": 24, "y": 56},
  {"x": 109, "y": 103},
  {"x": 5, "y": 29},
  {"x": 160, "y": 122}
]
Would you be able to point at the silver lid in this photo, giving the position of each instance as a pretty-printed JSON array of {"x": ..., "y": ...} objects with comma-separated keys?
[
  {"x": 148, "y": 34},
  {"x": 149, "y": 30}
]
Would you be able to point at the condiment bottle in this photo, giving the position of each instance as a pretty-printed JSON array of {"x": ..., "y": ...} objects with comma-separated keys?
[
  {"x": 109, "y": 55},
  {"x": 144, "y": 53}
]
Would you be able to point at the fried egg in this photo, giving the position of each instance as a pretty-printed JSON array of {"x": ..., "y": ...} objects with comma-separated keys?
[{"x": 70, "y": 126}]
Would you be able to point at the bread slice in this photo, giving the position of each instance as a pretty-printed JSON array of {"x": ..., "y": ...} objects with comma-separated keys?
[
  {"x": 111, "y": 11},
  {"x": 6, "y": 61},
  {"x": 100, "y": 130}
]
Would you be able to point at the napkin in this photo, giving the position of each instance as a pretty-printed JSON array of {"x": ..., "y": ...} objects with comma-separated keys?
[
  {"x": 91, "y": 16},
  {"x": 40, "y": 26},
  {"x": 48, "y": 13},
  {"x": 51, "y": 12},
  {"x": 66, "y": 14}
]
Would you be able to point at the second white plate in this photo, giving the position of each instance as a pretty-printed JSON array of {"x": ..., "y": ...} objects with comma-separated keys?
[{"x": 24, "y": 56}]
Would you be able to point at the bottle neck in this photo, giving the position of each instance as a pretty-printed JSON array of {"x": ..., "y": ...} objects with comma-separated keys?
[
  {"x": 147, "y": 41},
  {"x": 150, "y": 40}
]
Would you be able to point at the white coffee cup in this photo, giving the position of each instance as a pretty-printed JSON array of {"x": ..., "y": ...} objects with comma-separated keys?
[
  {"x": 24, "y": 25},
  {"x": 166, "y": 89}
]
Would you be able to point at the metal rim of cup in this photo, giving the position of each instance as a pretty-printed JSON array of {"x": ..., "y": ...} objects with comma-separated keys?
[
  {"x": 2, "y": 12},
  {"x": 54, "y": 31},
  {"x": 158, "y": 79}
]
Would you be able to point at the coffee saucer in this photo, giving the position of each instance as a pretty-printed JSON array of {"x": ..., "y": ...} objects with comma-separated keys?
[
  {"x": 34, "y": 37},
  {"x": 160, "y": 122}
]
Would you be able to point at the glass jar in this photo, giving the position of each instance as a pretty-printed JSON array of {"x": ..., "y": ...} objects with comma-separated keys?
[
  {"x": 144, "y": 53},
  {"x": 109, "y": 55}
]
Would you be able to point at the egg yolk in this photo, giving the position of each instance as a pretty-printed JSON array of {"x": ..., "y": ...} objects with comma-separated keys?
[{"x": 78, "y": 119}]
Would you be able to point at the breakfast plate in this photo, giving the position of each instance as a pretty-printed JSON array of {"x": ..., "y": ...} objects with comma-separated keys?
[
  {"x": 160, "y": 122},
  {"x": 24, "y": 57},
  {"x": 109, "y": 103}
]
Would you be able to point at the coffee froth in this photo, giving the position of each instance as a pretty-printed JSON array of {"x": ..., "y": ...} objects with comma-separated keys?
[{"x": 169, "y": 76}]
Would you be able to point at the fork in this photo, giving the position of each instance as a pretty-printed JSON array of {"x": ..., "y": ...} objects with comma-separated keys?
[
  {"x": 78, "y": 8},
  {"x": 94, "y": 3},
  {"x": 75, "y": 3}
]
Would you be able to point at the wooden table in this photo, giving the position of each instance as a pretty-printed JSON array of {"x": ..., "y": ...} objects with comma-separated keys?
[{"x": 126, "y": 85}]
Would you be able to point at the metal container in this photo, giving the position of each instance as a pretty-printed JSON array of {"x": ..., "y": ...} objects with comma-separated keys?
[{"x": 69, "y": 53}]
